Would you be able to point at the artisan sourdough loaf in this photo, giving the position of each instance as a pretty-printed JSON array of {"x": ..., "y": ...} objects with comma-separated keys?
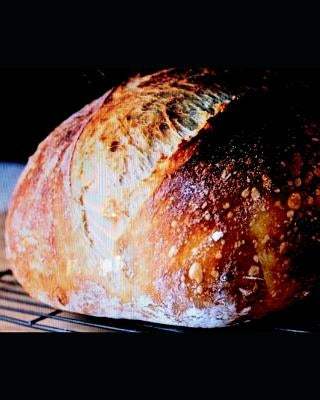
[{"x": 185, "y": 197}]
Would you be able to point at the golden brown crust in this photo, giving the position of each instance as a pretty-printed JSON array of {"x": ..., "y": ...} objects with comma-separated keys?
[{"x": 152, "y": 204}]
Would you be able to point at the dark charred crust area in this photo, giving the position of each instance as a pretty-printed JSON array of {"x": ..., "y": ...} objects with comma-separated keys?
[
  {"x": 114, "y": 145},
  {"x": 245, "y": 208}
]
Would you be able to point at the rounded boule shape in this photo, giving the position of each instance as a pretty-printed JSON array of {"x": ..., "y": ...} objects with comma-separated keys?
[{"x": 185, "y": 197}]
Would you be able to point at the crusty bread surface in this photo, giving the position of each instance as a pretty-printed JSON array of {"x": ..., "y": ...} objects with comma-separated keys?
[{"x": 182, "y": 197}]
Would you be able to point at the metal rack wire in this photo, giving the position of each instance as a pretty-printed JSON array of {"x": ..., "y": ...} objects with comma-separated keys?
[{"x": 18, "y": 309}]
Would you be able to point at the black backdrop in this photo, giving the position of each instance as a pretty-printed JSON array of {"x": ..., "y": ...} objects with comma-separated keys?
[{"x": 33, "y": 101}]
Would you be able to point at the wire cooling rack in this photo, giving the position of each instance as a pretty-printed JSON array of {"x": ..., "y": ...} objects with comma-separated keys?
[{"x": 18, "y": 312}]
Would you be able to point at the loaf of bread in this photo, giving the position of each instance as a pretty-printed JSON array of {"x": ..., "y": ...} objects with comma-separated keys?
[{"x": 186, "y": 197}]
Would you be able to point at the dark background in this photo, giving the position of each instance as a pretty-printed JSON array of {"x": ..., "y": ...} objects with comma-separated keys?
[{"x": 33, "y": 101}]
